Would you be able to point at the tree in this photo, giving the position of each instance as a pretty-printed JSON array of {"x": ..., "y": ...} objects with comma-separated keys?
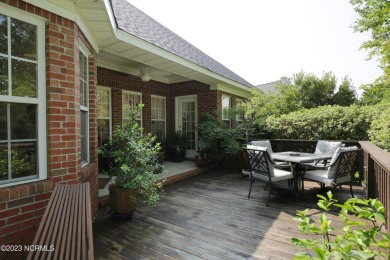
[
  {"x": 346, "y": 95},
  {"x": 376, "y": 92},
  {"x": 314, "y": 91},
  {"x": 374, "y": 18}
]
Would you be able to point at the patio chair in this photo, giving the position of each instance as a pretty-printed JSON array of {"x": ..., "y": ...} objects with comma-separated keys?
[
  {"x": 263, "y": 168},
  {"x": 265, "y": 143},
  {"x": 323, "y": 147},
  {"x": 339, "y": 171}
]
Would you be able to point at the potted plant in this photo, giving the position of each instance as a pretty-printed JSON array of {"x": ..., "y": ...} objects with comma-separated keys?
[
  {"x": 132, "y": 157},
  {"x": 177, "y": 144}
]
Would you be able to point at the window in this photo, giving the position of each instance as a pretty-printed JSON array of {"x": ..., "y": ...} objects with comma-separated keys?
[
  {"x": 240, "y": 112},
  {"x": 104, "y": 115},
  {"x": 225, "y": 110},
  {"x": 83, "y": 60},
  {"x": 159, "y": 117},
  {"x": 22, "y": 98},
  {"x": 130, "y": 100}
]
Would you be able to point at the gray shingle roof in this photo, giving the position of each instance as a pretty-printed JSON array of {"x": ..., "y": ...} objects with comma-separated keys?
[{"x": 135, "y": 22}]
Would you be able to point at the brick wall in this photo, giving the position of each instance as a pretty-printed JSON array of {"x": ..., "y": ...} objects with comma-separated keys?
[
  {"x": 22, "y": 206},
  {"x": 119, "y": 81},
  {"x": 208, "y": 100}
]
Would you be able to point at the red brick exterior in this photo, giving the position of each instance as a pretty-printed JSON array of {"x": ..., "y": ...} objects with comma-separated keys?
[
  {"x": 208, "y": 100},
  {"x": 22, "y": 206}
]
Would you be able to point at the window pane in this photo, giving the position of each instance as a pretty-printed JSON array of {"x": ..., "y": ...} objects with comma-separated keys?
[
  {"x": 158, "y": 129},
  {"x": 23, "y": 39},
  {"x": 3, "y": 34},
  {"x": 83, "y": 79},
  {"x": 3, "y": 121},
  {"x": 103, "y": 100},
  {"x": 225, "y": 107},
  {"x": 84, "y": 135},
  {"x": 3, "y": 162},
  {"x": 3, "y": 76},
  {"x": 23, "y": 121},
  {"x": 128, "y": 102},
  {"x": 104, "y": 131},
  {"x": 23, "y": 160},
  {"x": 24, "y": 79}
]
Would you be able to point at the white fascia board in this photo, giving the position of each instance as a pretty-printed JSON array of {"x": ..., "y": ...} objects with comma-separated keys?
[
  {"x": 111, "y": 17},
  {"x": 234, "y": 91},
  {"x": 133, "y": 40},
  {"x": 67, "y": 10}
]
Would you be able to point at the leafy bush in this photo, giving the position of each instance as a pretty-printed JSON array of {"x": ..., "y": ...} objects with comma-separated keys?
[
  {"x": 133, "y": 159},
  {"x": 326, "y": 122},
  {"x": 379, "y": 132},
  {"x": 353, "y": 240},
  {"x": 215, "y": 138}
]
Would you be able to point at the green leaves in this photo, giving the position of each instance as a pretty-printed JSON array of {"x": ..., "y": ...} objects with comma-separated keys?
[
  {"x": 352, "y": 241},
  {"x": 133, "y": 159}
]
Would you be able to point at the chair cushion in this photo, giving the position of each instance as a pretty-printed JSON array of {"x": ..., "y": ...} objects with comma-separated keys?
[
  {"x": 322, "y": 176},
  {"x": 327, "y": 147},
  {"x": 264, "y": 143},
  {"x": 279, "y": 175},
  {"x": 333, "y": 167},
  {"x": 262, "y": 148}
]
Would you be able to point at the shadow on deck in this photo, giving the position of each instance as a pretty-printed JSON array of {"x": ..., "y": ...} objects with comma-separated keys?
[{"x": 209, "y": 217}]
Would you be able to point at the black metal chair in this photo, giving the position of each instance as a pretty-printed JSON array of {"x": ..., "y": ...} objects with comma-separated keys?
[
  {"x": 339, "y": 171},
  {"x": 263, "y": 168}
]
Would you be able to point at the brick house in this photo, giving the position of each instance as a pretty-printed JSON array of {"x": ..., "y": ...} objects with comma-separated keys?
[{"x": 68, "y": 71}]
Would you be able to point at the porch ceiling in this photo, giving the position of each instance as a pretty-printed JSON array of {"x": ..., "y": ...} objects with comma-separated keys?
[{"x": 126, "y": 53}]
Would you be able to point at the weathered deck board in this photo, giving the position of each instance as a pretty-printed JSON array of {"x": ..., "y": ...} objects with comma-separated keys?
[{"x": 210, "y": 217}]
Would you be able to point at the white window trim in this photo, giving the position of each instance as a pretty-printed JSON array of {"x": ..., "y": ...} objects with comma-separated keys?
[
  {"x": 40, "y": 100},
  {"x": 124, "y": 92},
  {"x": 230, "y": 103},
  {"x": 238, "y": 102},
  {"x": 160, "y": 120},
  {"x": 85, "y": 108},
  {"x": 110, "y": 108}
]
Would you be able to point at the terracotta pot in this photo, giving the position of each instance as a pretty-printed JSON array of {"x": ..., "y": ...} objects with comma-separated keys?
[{"x": 121, "y": 200}]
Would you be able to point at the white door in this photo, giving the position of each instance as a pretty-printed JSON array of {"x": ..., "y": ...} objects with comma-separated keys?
[{"x": 186, "y": 121}]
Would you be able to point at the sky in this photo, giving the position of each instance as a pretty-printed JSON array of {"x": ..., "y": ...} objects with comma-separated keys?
[{"x": 264, "y": 40}]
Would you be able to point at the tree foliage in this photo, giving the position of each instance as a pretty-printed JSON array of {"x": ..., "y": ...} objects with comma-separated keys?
[
  {"x": 346, "y": 94},
  {"x": 375, "y": 19},
  {"x": 315, "y": 91}
]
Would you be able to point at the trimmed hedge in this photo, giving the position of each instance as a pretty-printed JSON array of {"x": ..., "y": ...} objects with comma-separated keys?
[
  {"x": 379, "y": 132},
  {"x": 335, "y": 123}
]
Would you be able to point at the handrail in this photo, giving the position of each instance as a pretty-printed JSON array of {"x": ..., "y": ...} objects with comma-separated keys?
[
  {"x": 377, "y": 175},
  {"x": 379, "y": 155}
]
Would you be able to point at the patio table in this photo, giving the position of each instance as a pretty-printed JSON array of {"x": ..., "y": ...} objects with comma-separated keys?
[{"x": 296, "y": 158}]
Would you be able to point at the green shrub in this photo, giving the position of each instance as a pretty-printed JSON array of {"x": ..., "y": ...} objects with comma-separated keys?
[
  {"x": 379, "y": 132},
  {"x": 132, "y": 157},
  {"x": 354, "y": 240},
  {"x": 326, "y": 122}
]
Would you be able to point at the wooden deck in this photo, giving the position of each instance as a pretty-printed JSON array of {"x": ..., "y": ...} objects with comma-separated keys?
[{"x": 210, "y": 217}]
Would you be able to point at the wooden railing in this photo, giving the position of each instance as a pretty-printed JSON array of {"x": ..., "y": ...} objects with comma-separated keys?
[{"x": 377, "y": 175}]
